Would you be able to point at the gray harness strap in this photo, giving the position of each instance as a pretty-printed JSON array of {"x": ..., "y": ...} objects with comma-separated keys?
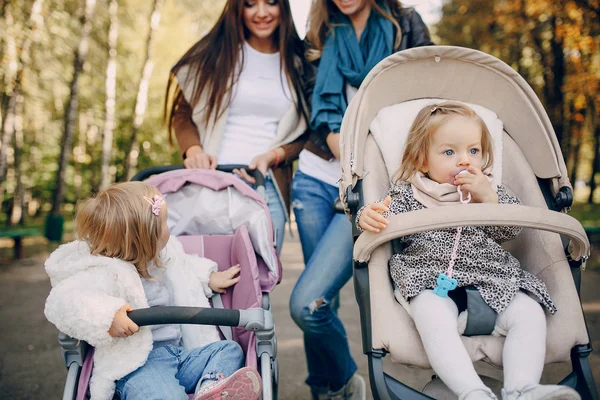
[
  {"x": 481, "y": 318},
  {"x": 218, "y": 303}
]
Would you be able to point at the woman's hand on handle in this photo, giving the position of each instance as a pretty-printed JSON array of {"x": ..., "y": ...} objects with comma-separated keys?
[
  {"x": 371, "y": 218},
  {"x": 195, "y": 157},
  {"x": 262, "y": 162}
]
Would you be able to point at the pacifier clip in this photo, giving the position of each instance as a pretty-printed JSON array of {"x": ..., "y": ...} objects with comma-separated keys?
[{"x": 444, "y": 281}]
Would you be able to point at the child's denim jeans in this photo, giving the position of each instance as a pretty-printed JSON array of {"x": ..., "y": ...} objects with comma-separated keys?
[{"x": 171, "y": 372}]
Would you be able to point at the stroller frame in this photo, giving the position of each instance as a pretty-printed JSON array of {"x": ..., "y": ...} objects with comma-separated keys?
[
  {"x": 386, "y": 387},
  {"x": 555, "y": 188},
  {"x": 258, "y": 320}
]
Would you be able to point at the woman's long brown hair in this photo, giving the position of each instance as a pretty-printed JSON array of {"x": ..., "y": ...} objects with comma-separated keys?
[
  {"x": 213, "y": 62},
  {"x": 322, "y": 13}
]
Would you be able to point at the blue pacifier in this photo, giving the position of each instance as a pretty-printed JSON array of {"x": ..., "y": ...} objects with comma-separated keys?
[{"x": 444, "y": 285}]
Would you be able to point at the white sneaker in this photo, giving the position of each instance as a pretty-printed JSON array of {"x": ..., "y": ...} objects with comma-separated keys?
[
  {"x": 355, "y": 389},
  {"x": 479, "y": 394},
  {"x": 542, "y": 392}
]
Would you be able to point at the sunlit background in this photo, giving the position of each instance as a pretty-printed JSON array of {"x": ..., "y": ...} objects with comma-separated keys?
[{"x": 113, "y": 121}]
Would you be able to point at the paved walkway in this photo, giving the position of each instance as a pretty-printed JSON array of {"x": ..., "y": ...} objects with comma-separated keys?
[{"x": 31, "y": 365}]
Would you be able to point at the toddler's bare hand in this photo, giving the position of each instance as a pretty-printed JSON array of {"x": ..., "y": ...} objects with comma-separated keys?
[
  {"x": 122, "y": 326},
  {"x": 221, "y": 280},
  {"x": 476, "y": 183},
  {"x": 371, "y": 219}
]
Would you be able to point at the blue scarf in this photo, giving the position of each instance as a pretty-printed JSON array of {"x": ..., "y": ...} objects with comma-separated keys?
[{"x": 344, "y": 60}]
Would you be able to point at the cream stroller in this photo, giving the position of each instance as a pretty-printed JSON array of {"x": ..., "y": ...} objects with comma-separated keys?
[{"x": 528, "y": 161}]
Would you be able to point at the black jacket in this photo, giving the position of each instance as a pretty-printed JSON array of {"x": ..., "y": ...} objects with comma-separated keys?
[{"x": 414, "y": 34}]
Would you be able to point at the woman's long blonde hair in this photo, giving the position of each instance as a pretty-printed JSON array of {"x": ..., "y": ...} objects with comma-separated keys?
[
  {"x": 321, "y": 16},
  {"x": 427, "y": 122},
  {"x": 118, "y": 222}
]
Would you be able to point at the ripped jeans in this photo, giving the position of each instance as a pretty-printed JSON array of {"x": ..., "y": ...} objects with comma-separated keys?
[{"x": 326, "y": 238}]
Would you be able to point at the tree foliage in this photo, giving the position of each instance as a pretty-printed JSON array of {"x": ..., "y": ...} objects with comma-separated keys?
[
  {"x": 555, "y": 46},
  {"x": 45, "y": 91}
]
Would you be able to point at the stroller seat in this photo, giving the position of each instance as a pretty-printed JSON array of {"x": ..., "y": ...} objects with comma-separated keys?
[
  {"x": 537, "y": 251},
  {"x": 214, "y": 215},
  {"x": 527, "y": 160}
]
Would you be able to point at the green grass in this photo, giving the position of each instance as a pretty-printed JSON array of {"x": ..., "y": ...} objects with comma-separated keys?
[{"x": 587, "y": 214}]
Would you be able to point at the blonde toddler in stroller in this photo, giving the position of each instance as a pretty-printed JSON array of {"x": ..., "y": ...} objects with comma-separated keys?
[
  {"x": 449, "y": 147},
  {"x": 553, "y": 249},
  {"x": 125, "y": 258}
]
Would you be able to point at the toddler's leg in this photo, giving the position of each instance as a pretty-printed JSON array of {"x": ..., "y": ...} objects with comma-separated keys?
[
  {"x": 436, "y": 320},
  {"x": 207, "y": 363},
  {"x": 525, "y": 346},
  {"x": 156, "y": 379},
  {"x": 219, "y": 365}
]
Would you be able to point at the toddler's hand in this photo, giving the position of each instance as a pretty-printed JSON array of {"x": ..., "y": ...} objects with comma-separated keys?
[
  {"x": 122, "y": 326},
  {"x": 476, "y": 183},
  {"x": 371, "y": 219},
  {"x": 219, "y": 281}
]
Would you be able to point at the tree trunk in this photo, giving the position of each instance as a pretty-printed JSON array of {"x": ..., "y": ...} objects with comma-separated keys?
[
  {"x": 577, "y": 137},
  {"x": 18, "y": 210},
  {"x": 111, "y": 83},
  {"x": 596, "y": 162},
  {"x": 79, "y": 151},
  {"x": 141, "y": 103},
  {"x": 559, "y": 71},
  {"x": 10, "y": 73},
  {"x": 14, "y": 79},
  {"x": 71, "y": 109}
]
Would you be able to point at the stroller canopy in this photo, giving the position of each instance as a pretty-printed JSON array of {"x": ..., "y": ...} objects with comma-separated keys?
[
  {"x": 207, "y": 202},
  {"x": 456, "y": 73}
]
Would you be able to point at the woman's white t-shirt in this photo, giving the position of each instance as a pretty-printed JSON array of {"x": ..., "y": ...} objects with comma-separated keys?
[
  {"x": 328, "y": 171},
  {"x": 260, "y": 99}
]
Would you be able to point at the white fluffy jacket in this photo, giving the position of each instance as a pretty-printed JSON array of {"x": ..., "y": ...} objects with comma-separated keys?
[{"x": 88, "y": 290}]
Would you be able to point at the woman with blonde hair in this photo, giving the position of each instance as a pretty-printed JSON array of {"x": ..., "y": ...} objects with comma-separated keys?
[
  {"x": 237, "y": 97},
  {"x": 347, "y": 38}
]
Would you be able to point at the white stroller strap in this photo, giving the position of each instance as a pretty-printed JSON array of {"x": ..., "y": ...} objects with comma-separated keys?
[{"x": 218, "y": 303}]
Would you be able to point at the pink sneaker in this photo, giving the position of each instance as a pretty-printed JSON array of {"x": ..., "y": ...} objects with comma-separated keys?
[{"x": 244, "y": 384}]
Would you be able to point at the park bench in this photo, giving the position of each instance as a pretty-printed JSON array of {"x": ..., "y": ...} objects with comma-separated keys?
[
  {"x": 16, "y": 234},
  {"x": 591, "y": 230}
]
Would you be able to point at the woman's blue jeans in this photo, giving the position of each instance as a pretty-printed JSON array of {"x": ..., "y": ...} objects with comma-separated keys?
[
  {"x": 277, "y": 211},
  {"x": 326, "y": 238}
]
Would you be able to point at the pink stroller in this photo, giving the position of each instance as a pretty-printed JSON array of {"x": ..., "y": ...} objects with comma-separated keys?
[{"x": 218, "y": 216}]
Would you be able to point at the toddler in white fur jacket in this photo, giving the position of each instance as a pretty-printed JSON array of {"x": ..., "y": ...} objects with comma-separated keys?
[{"x": 125, "y": 259}]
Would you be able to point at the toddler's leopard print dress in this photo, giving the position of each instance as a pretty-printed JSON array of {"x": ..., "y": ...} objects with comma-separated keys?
[{"x": 481, "y": 261}]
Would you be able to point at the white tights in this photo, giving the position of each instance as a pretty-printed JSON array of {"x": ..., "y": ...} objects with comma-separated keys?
[{"x": 524, "y": 348}]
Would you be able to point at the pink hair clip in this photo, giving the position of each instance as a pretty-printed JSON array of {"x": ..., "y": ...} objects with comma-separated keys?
[
  {"x": 434, "y": 109},
  {"x": 156, "y": 203}
]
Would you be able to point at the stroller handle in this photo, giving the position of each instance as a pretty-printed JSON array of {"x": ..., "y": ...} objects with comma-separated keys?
[
  {"x": 184, "y": 315},
  {"x": 253, "y": 319},
  {"x": 255, "y": 173},
  {"x": 148, "y": 172}
]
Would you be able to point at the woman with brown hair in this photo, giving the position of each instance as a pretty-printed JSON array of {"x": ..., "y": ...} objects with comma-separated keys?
[
  {"x": 236, "y": 97},
  {"x": 347, "y": 39}
]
